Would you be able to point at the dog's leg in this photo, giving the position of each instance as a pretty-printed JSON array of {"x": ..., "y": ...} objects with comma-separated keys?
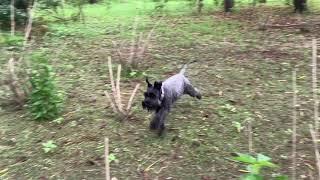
[
  {"x": 193, "y": 92},
  {"x": 154, "y": 124},
  {"x": 159, "y": 120}
]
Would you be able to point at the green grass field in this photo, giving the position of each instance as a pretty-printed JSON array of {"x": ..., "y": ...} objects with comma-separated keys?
[{"x": 244, "y": 75}]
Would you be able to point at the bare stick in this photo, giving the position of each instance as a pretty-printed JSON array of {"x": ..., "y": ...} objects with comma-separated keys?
[
  {"x": 118, "y": 50},
  {"x": 14, "y": 84},
  {"x": 140, "y": 39},
  {"x": 316, "y": 149},
  {"x": 250, "y": 136},
  {"x": 133, "y": 41},
  {"x": 314, "y": 85},
  {"x": 111, "y": 79},
  {"x": 131, "y": 98},
  {"x": 294, "y": 126},
  {"x": 29, "y": 25},
  {"x": 112, "y": 102},
  {"x": 148, "y": 168},
  {"x": 146, "y": 43},
  {"x": 106, "y": 151},
  {"x": 13, "y": 24},
  {"x": 118, "y": 97}
]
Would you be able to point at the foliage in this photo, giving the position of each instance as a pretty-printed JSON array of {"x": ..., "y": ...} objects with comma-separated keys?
[
  {"x": 58, "y": 120},
  {"x": 9, "y": 40},
  {"x": 255, "y": 166},
  {"x": 49, "y": 146},
  {"x": 20, "y": 14},
  {"x": 50, "y": 4},
  {"x": 44, "y": 101},
  {"x": 112, "y": 158}
]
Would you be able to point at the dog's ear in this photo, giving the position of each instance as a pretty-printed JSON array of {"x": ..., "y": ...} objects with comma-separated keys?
[
  {"x": 149, "y": 84},
  {"x": 157, "y": 85}
]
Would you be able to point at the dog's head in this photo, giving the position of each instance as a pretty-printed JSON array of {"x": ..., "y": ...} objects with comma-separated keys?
[{"x": 153, "y": 96}]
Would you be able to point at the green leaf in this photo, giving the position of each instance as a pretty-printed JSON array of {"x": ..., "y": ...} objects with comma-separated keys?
[
  {"x": 252, "y": 177},
  {"x": 112, "y": 157},
  {"x": 262, "y": 157},
  {"x": 245, "y": 158},
  {"x": 267, "y": 164},
  {"x": 133, "y": 73},
  {"x": 254, "y": 168},
  {"x": 49, "y": 146}
]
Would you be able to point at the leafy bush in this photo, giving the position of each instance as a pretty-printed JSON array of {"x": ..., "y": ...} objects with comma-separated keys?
[
  {"x": 20, "y": 14},
  {"x": 45, "y": 102},
  {"x": 9, "y": 40}
]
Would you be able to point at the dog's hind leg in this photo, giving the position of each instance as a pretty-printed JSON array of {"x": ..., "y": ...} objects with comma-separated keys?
[{"x": 193, "y": 92}]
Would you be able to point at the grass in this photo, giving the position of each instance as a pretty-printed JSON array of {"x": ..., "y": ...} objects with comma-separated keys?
[{"x": 239, "y": 72}]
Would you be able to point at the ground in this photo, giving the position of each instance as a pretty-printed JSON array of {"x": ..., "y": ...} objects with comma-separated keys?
[{"x": 243, "y": 73}]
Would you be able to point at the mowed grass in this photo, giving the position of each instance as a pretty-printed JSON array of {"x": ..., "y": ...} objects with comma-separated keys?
[{"x": 243, "y": 76}]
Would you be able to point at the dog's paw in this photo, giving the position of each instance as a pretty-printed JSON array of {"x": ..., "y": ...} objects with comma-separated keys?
[
  {"x": 198, "y": 96},
  {"x": 162, "y": 129},
  {"x": 153, "y": 125}
]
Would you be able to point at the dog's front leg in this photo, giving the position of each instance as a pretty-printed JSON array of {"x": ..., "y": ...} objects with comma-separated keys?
[
  {"x": 158, "y": 121},
  {"x": 162, "y": 116}
]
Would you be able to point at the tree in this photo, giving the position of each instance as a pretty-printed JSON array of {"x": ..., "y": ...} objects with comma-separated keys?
[
  {"x": 228, "y": 4},
  {"x": 299, "y": 5}
]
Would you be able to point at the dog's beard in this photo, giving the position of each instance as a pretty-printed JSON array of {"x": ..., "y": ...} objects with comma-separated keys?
[{"x": 151, "y": 106}]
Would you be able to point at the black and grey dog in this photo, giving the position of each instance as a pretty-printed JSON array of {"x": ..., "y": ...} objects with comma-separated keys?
[{"x": 162, "y": 95}]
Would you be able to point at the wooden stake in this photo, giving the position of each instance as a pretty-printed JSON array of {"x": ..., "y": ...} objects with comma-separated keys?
[
  {"x": 316, "y": 149},
  {"x": 294, "y": 125},
  {"x": 250, "y": 138},
  {"x": 314, "y": 85},
  {"x": 12, "y": 17},
  {"x": 106, "y": 142}
]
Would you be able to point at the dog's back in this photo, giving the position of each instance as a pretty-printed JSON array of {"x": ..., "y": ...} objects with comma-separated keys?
[{"x": 173, "y": 87}]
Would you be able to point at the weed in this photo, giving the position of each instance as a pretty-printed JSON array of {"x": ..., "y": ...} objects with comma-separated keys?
[
  {"x": 44, "y": 101},
  {"x": 8, "y": 40},
  {"x": 49, "y": 146},
  {"x": 58, "y": 120},
  {"x": 255, "y": 166},
  {"x": 112, "y": 158}
]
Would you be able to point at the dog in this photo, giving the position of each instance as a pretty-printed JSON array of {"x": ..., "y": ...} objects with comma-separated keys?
[{"x": 160, "y": 97}]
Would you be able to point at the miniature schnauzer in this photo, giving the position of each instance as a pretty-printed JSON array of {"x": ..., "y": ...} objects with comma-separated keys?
[{"x": 162, "y": 95}]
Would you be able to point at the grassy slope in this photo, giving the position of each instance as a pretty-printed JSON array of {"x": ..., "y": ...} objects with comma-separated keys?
[{"x": 243, "y": 73}]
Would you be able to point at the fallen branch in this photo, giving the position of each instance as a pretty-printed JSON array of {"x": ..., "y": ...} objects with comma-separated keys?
[{"x": 149, "y": 167}]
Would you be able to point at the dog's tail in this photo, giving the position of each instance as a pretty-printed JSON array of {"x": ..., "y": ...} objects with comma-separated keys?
[
  {"x": 184, "y": 67},
  {"x": 183, "y": 70}
]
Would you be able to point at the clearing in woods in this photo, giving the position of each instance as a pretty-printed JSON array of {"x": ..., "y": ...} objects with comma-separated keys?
[{"x": 243, "y": 73}]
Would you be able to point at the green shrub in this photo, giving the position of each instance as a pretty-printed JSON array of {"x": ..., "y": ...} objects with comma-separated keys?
[
  {"x": 255, "y": 166},
  {"x": 9, "y": 40},
  {"x": 45, "y": 102},
  {"x": 20, "y": 15}
]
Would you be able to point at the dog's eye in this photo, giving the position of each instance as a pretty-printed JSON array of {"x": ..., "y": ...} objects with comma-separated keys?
[{"x": 151, "y": 95}]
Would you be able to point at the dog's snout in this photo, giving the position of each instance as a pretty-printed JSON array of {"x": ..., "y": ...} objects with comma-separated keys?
[{"x": 143, "y": 105}]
